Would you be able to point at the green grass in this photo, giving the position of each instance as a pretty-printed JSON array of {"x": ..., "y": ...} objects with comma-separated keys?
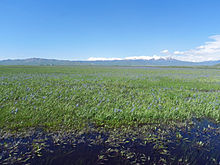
[{"x": 73, "y": 97}]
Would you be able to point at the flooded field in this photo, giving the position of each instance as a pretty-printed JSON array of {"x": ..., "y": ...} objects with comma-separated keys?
[
  {"x": 197, "y": 142},
  {"x": 109, "y": 115}
]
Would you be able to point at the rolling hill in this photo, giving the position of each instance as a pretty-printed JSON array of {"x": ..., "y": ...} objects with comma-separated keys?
[{"x": 151, "y": 62}]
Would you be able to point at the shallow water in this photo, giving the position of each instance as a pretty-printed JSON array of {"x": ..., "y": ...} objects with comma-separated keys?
[{"x": 198, "y": 143}]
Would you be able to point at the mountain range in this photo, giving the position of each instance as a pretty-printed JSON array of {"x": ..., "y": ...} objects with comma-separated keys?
[{"x": 126, "y": 62}]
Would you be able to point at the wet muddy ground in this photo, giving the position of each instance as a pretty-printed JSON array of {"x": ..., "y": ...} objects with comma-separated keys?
[{"x": 196, "y": 142}]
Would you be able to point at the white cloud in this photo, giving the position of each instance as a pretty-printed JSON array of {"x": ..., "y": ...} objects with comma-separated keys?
[
  {"x": 164, "y": 51},
  {"x": 178, "y": 52},
  {"x": 209, "y": 51}
]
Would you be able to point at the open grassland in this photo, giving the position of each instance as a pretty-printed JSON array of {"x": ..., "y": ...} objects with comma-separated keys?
[{"x": 75, "y": 97}]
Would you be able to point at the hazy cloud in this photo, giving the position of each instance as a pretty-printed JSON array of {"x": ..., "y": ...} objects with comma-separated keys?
[{"x": 209, "y": 51}]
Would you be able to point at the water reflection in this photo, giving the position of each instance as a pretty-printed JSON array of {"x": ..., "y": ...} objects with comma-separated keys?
[{"x": 198, "y": 143}]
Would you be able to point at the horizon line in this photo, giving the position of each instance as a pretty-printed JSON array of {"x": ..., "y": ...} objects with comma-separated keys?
[{"x": 93, "y": 59}]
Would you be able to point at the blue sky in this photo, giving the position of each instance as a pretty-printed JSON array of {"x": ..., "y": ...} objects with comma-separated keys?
[{"x": 90, "y": 29}]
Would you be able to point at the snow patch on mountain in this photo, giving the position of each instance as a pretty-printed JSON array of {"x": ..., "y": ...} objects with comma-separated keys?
[{"x": 131, "y": 58}]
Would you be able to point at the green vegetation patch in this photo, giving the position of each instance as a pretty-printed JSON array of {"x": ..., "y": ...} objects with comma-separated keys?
[{"x": 80, "y": 96}]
